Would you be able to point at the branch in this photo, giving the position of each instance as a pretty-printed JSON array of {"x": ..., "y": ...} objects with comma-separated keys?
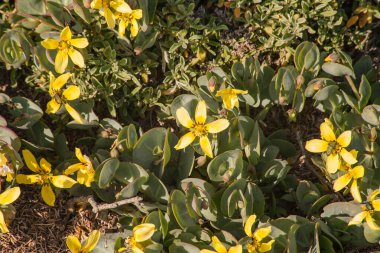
[{"x": 311, "y": 167}]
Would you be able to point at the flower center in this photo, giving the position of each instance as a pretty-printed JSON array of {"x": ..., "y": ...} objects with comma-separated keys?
[
  {"x": 64, "y": 44},
  {"x": 4, "y": 170},
  {"x": 199, "y": 130},
  {"x": 106, "y": 3}
]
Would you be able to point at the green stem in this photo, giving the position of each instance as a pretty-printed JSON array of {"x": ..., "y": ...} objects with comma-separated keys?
[{"x": 352, "y": 85}]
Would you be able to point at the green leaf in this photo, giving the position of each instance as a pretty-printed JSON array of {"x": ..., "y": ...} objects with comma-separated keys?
[
  {"x": 337, "y": 69},
  {"x": 178, "y": 206},
  {"x": 364, "y": 92},
  {"x": 32, "y": 7},
  {"x": 226, "y": 166},
  {"x": 107, "y": 171},
  {"x": 26, "y": 113}
]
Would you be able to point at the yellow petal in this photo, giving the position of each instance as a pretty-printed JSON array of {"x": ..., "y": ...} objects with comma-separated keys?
[
  {"x": 61, "y": 61},
  {"x": 28, "y": 179},
  {"x": 121, "y": 6},
  {"x": 110, "y": 18},
  {"x": 122, "y": 27},
  {"x": 73, "y": 168},
  {"x": 237, "y": 91},
  {"x": 74, "y": 114},
  {"x": 60, "y": 81},
  {"x": 79, "y": 155},
  {"x": 63, "y": 181},
  {"x": 205, "y": 144},
  {"x": 347, "y": 156},
  {"x": 375, "y": 202},
  {"x": 47, "y": 194},
  {"x": 358, "y": 218},
  {"x": 344, "y": 139},
  {"x": 185, "y": 141},
  {"x": 71, "y": 93},
  {"x": 262, "y": 233},
  {"x": 45, "y": 165},
  {"x": 218, "y": 246},
  {"x": 76, "y": 57},
  {"x": 201, "y": 112},
  {"x": 332, "y": 163},
  {"x": 354, "y": 153},
  {"x": 371, "y": 223},
  {"x": 73, "y": 244},
  {"x": 79, "y": 42},
  {"x": 342, "y": 182},
  {"x": 248, "y": 225},
  {"x": 327, "y": 132},
  {"x": 50, "y": 44},
  {"x": 137, "y": 14},
  {"x": 207, "y": 251},
  {"x": 357, "y": 172},
  {"x": 228, "y": 101},
  {"x": 66, "y": 34},
  {"x": 217, "y": 126},
  {"x": 143, "y": 232},
  {"x": 92, "y": 241},
  {"x": 352, "y": 21},
  {"x": 265, "y": 247},
  {"x": 355, "y": 191},
  {"x": 236, "y": 249},
  {"x": 3, "y": 226},
  {"x": 134, "y": 28},
  {"x": 52, "y": 106},
  {"x": 316, "y": 146},
  {"x": 136, "y": 249},
  {"x": 30, "y": 161},
  {"x": 184, "y": 118},
  {"x": 96, "y": 4},
  {"x": 9, "y": 196}
]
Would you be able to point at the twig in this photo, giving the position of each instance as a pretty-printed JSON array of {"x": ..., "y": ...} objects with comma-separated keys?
[
  {"x": 311, "y": 167},
  {"x": 100, "y": 207}
]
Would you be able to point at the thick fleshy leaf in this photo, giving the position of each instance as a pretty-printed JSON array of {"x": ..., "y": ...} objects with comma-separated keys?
[
  {"x": 61, "y": 61},
  {"x": 76, "y": 57},
  {"x": 342, "y": 182},
  {"x": 217, "y": 126},
  {"x": 143, "y": 232},
  {"x": 73, "y": 244},
  {"x": 47, "y": 194},
  {"x": 62, "y": 181},
  {"x": 184, "y": 118},
  {"x": 327, "y": 132},
  {"x": 201, "y": 112},
  {"x": 9, "y": 196},
  {"x": 50, "y": 44},
  {"x": 332, "y": 163},
  {"x": 71, "y": 93},
  {"x": 205, "y": 144},
  {"x": 218, "y": 246},
  {"x": 316, "y": 146},
  {"x": 92, "y": 241},
  {"x": 344, "y": 139},
  {"x": 30, "y": 161},
  {"x": 66, "y": 33},
  {"x": 79, "y": 42},
  {"x": 248, "y": 225},
  {"x": 185, "y": 141}
]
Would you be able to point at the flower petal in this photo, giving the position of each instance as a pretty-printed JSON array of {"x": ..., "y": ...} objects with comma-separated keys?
[
  {"x": 60, "y": 81},
  {"x": 28, "y": 179},
  {"x": 79, "y": 42},
  {"x": 61, "y": 61},
  {"x": 121, "y": 6},
  {"x": 332, "y": 163},
  {"x": 79, "y": 155},
  {"x": 3, "y": 226},
  {"x": 316, "y": 146},
  {"x": 205, "y": 144},
  {"x": 63, "y": 181},
  {"x": 218, "y": 246},
  {"x": 66, "y": 34},
  {"x": 355, "y": 192},
  {"x": 207, "y": 251},
  {"x": 96, "y": 4},
  {"x": 217, "y": 126},
  {"x": 185, "y": 141},
  {"x": 50, "y": 44},
  {"x": 344, "y": 139},
  {"x": 371, "y": 223},
  {"x": 143, "y": 232},
  {"x": 137, "y": 14},
  {"x": 327, "y": 132},
  {"x": 47, "y": 194},
  {"x": 9, "y": 196},
  {"x": 45, "y": 165},
  {"x": 265, "y": 247},
  {"x": 30, "y": 161},
  {"x": 122, "y": 27},
  {"x": 73, "y": 244},
  {"x": 52, "y": 106},
  {"x": 357, "y": 172},
  {"x": 358, "y": 218},
  {"x": 184, "y": 118},
  {"x": 347, "y": 156},
  {"x": 262, "y": 233},
  {"x": 92, "y": 241},
  {"x": 201, "y": 112},
  {"x": 110, "y": 18},
  {"x": 76, "y": 57},
  {"x": 71, "y": 93},
  {"x": 248, "y": 225},
  {"x": 134, "y": 28},
  {"x": 342, "y": 182},
  {"x": 236, "y": 249},
  {"x": 74, "y": 114},
  {"x": 73, "y": 168}
]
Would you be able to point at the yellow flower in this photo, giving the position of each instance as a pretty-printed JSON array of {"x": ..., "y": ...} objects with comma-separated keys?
[
  {"x": 85, "y": 169},
  {"x": 199, "y": 128},
  {"x": 258, "y": 236},
  {"x": 43, "y": 177},
  {"x": 353, "y": 174},
  {"x": 107, "y": 8},
  {"x": 75, "y": 246},
  {"x": 6, "y": 198},
  {"x": 5, "y": 168},
  {"x": 230, "y": 98},
  {"x": 219, "y": 247},
  {"x": 65, "y": 46},
  {"x": 141, "y": 234},
  {"x": 334, "y": 146},
  {"x": 60, "y": 97},
  {"x": 368, "y": 211},
  {"x": 129, "y": 18}
]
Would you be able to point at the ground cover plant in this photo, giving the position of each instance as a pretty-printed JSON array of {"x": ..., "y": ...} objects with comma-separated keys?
[{"x": 189, "y": 126}]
